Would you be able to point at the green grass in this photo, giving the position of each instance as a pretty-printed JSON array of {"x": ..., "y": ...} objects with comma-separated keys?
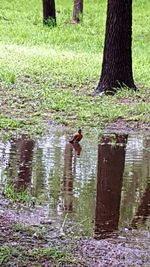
[
  {"x": 30, "y": 246},
  {"x": 25, "y": 256},
  {"x": 46, "y": 252},
  {"x": 48, "y": 74},
  {"x": 5, "y": 254},
  {"x": 22, "y": 196}
]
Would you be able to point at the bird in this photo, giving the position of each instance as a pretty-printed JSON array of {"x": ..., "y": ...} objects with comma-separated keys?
[{"x": 76, "y": 137}]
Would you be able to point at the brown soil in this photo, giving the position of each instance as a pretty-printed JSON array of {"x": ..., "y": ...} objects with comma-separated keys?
[{"x": 127, "y": 126}]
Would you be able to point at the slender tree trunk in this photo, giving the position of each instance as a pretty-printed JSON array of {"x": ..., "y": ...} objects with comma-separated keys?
[
  {"x": 49, "y": 12},
  {"x": 117, "y": 55},
  {"x": 77, "y": 11}
]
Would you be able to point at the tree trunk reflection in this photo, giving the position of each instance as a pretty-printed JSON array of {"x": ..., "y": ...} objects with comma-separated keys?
[
  {"x": 25, "y": 164},
  {"x": 110, "y": 168},
  {"x": 143, "y": 211},
  {"x": 21, "y": 162},
  {"x": 68, "y": 178},
  {"x": 69, "y": 173}
]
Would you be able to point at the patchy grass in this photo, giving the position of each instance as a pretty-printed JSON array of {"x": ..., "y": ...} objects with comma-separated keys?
[
  {"x": 11, "y": 193},
  {"x": 24, "y": 246},
  {"x": 48, "y": 74},
  {"x": 34, "y": 256},
  {"x": 6, "y": 253},
  {"x": 49, "y": 253}
]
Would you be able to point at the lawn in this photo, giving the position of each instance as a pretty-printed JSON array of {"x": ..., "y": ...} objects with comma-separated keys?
[{"x": 47, "y": 74}]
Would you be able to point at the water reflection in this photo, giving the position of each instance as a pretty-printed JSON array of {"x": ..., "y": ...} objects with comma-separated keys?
[
  {"x": 143, "y": 210},
  {"x": 68, "y": 178},
  {"x": 62, "y": 178},
  {"x": 110, "y": 168},
  {"x": 69, "y": 173},
  {"x": 20, "y": 164},
  {"x": 77, "y": 148},
  {"x": 135, "y": 199}
]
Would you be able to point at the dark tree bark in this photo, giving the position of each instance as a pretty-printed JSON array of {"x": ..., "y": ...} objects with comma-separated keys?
[
  {"x": 77, "y": 11},
  {"x": 49, "y": 12},
  {"x": 111, "y": 159},
  {"x": 117, "y": 54}
]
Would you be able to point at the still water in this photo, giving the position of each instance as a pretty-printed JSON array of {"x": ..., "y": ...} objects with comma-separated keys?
[{"x": 99, "y": 188}]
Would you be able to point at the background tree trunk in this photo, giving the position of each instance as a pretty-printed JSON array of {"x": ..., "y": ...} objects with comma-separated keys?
[
  {"x": 49, "y": 12},
  {"x": 117, "y": 55},
  {"x": 77, "y": 11}
]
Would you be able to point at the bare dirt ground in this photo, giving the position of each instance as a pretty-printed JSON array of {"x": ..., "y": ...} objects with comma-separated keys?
[{"x": 127, "y": 126}]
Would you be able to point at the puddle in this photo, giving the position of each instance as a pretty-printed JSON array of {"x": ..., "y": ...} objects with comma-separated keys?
[{"x": 98, "y": 188}]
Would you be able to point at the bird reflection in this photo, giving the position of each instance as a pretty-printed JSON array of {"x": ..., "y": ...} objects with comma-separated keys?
[
  {"x": 77, "y": 147},
  {"x": 69, "y": 173}
]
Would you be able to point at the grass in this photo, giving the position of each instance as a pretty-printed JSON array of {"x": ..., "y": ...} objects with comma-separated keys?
[
  {"x": 37, "y": 256},
  {"x": 54, "y": 253},
  {"x": 29, "y": 246},
  {"x": 48, "y": 74},
  {"x": 5, "y": 254},
  {"x": 22, "y": 196}
]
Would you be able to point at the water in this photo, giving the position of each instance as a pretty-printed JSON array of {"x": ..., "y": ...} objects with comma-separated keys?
[{"x": 99, "y": 188}]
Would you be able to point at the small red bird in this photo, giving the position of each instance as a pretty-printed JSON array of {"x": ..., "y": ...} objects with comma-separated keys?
[{"x": 77, "y": 137}]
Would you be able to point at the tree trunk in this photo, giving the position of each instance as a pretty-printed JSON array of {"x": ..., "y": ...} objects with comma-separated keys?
[
  {"x": 77, "y": 11},
  {"x": 117, "y": 55},
  {"x": 49, "y": 12}
]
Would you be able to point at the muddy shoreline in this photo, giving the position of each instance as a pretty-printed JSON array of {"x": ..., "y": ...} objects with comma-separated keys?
[
  {"x": 24, "y": 239},
  {"x": 127, "y": 126}
]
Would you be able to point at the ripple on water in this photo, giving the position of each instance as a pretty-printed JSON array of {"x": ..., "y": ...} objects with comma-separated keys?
[{"x": 104, "y": 187}]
